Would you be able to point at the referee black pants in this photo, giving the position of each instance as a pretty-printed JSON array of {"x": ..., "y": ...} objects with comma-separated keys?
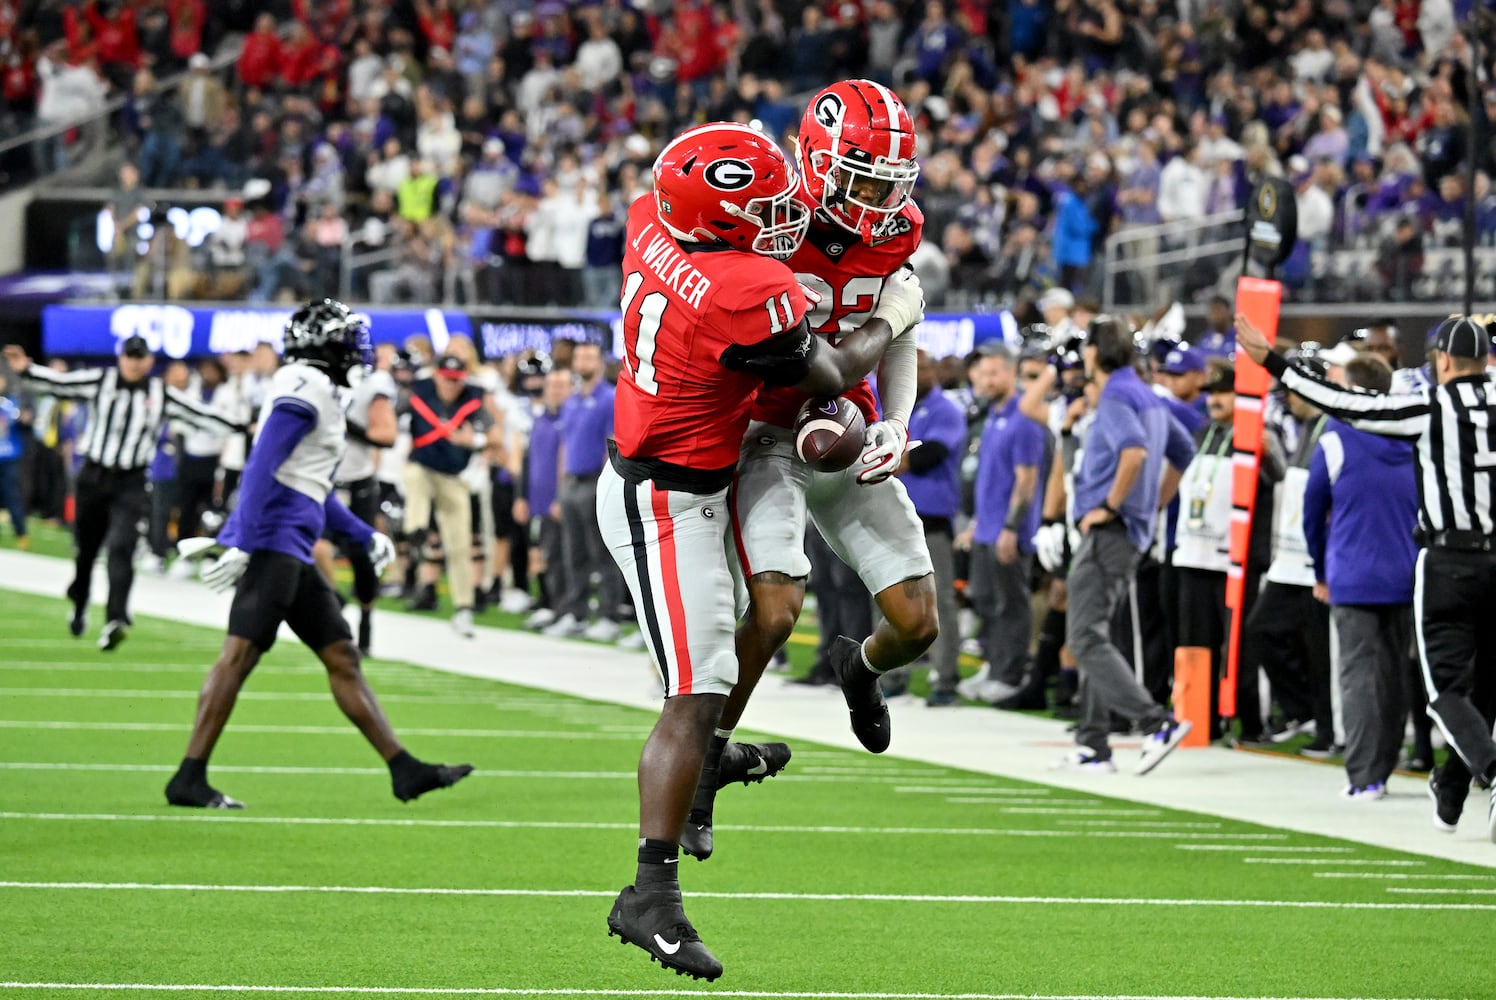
[
  {"x": 111, "y": 504},
  {"x": 1455, "y": 632}
]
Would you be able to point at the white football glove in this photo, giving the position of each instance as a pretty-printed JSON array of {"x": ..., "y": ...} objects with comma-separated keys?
[
  {"x": 193, "y": 549},
  {"x": 883, "y": 450},
  {"x": 901, "y": 302},
  {"x": 1050, "y": 543},
  {"x": 225, "y": 571},
  {"x": 381, "y": 552}
]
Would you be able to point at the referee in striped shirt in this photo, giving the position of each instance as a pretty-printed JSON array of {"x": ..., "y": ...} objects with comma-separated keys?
[
  {"x": 126, "y": 407},
  {"x": 1453, "y": 427}
]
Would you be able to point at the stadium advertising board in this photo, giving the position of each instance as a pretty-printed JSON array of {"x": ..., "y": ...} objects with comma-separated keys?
[{"x": 187, "y": 331}]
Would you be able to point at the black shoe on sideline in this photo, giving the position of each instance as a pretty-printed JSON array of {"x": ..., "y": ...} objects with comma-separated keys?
[
  {"x": 425, "y": 600},
  {"x": 870, "y": 721},
  {"x": 1449, "y": 803},
  {"x": 114, "y": 633},
  {"x": 78, "y": 620},
  {"x": 656, "y": 922}
]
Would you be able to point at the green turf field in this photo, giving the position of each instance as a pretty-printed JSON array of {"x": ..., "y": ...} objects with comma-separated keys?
[{"x": 848, "y": 875}]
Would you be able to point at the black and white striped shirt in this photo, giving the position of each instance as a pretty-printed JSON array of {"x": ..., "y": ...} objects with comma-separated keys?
[
  {"x": 1452, "y": 430},
  {"x": 124, "y": 418}
]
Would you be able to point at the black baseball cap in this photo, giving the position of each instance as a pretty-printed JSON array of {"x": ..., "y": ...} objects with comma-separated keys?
[
  {"x": 1462, "y": 337},
  {"x": 451, "y": 366},
  {"x": 1224, "y": 381},
  {"x": 135, "y": 346}
]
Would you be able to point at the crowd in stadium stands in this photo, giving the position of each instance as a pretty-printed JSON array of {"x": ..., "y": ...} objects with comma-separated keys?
[{"x": 486, "y": 152}]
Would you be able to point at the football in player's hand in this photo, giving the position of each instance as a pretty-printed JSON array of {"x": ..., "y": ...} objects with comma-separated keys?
[{"x": 828, "y": 433}]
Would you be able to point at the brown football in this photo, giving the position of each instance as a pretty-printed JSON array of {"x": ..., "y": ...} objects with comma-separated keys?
[{"x": 829, "y": 433}]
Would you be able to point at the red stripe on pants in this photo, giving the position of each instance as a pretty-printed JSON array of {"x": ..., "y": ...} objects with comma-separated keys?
[{"x": 670, "y": 579}]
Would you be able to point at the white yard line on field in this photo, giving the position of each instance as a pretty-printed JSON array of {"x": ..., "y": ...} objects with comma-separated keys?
[
  {"x": 497, "y": 824},
  {"x": 1407, "y": 875},
  {"x": 1332, "y": 861},
  {"x": 1255, "y": 847},
  {"x": 813, "y": 897},
  {"x": 172, "y": 727}
]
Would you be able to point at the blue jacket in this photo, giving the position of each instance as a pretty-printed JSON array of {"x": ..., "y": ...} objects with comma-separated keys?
[{"x": 1360, "y": 508}]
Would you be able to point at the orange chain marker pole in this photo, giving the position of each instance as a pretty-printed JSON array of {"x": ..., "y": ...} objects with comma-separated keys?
[{"x": 1260, "y": 301}]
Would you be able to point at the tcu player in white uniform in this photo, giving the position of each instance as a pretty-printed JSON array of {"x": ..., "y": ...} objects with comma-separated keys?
[
  {"x": 372, "y": 426},
  {"x": 856, "y": 150},
  {"x": 284, "y": 500}
]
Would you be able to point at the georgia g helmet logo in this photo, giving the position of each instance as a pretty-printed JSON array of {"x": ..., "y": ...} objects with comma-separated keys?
[
  {"x": 728, "y": 175},
  {"x": 829, "y": 110}
]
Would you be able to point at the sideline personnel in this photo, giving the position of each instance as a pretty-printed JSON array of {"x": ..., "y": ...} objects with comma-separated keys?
[{"x": 1453, "y": 428}]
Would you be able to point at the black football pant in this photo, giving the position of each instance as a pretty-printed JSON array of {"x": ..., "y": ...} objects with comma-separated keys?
[
  {"x": 1455, "y": 632},
  {"x": 111, "y": 504},
  {"x": 1288, "y": 635}
]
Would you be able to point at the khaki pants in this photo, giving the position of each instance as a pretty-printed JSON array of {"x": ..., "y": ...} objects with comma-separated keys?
[{"x": 425, "y": 489}]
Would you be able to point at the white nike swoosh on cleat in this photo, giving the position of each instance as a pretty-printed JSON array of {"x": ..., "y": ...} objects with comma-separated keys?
[
  {"x": 668, "y": 947},
  {"x": 671, "y": 861},
  {"x": 762, "y": 767}
]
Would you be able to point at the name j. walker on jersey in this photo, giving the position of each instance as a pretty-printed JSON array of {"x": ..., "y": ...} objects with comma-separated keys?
[{"x": 659, "y": 252}]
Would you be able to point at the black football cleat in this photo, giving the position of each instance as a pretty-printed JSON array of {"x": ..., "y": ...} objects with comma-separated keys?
[
  {"x": 751, "y": 762},
  {"x": 413, "y": 782},
  {"x": 365, "y": 632},
  {"x": 199, "y": 795},
  {"x": 78, "y": 620},
  {"x": 656, "y": 922},
  {"x": 870, "y": 721},
  {"x": 745, "y": 762}
]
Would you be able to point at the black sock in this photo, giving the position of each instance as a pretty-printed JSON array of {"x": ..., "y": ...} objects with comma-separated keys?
[
  {"x": 402, "y": 761},
  {"x": 658, "y": 865},
  {"x": 194, "y": 770}
]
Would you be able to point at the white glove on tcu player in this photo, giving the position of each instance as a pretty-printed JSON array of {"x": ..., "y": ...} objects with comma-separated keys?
[
  {"x": 226, "y": 570},
  {"x": 885, "y": 444},
  {"x": 901, "y": 302},
  {"x": 381, "y": 552}
]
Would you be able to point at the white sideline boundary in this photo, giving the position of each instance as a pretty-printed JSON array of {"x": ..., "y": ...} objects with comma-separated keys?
[{"x": 1255, "y": 788}]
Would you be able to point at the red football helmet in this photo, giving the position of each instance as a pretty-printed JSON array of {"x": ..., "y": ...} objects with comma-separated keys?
[
  {"x": 726, "y": 183},
  {"x": 856, "y": 151}
]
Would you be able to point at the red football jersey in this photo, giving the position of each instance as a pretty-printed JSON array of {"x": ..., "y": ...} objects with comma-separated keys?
[
  {"x": 676, "y": 401},
  {"x": 848, "y": 274}
]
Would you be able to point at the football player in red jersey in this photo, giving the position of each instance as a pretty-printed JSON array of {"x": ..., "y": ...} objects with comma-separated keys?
[
  {"x": 711, "y": 315},
  {"x": 856, "y": 150}
]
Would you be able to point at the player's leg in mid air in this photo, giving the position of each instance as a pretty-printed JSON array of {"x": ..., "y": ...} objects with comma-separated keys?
[
  {"x": 873, "y": 529},
  {"x": 768, "y": 517},
  {"x": 670, "y": 547}
]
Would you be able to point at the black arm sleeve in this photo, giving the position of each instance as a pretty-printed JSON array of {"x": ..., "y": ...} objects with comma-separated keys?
[
  {"x": 780, "y": 361},
  {"x": 927, "y": 456},
  {"x": 357, "y": 432}
]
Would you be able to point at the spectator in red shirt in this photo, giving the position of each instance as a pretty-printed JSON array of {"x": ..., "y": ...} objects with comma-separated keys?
[
  {"x": 260, "y": 59},
  {"x": 113, "y": 39},
  {"x": 187, "y": 17},
  {"x": 438, "y": 23},
  {"x": 300, "y": 57}
]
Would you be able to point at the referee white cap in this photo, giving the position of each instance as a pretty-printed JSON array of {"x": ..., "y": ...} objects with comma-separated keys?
[{"x": 1462, "y": 337}]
